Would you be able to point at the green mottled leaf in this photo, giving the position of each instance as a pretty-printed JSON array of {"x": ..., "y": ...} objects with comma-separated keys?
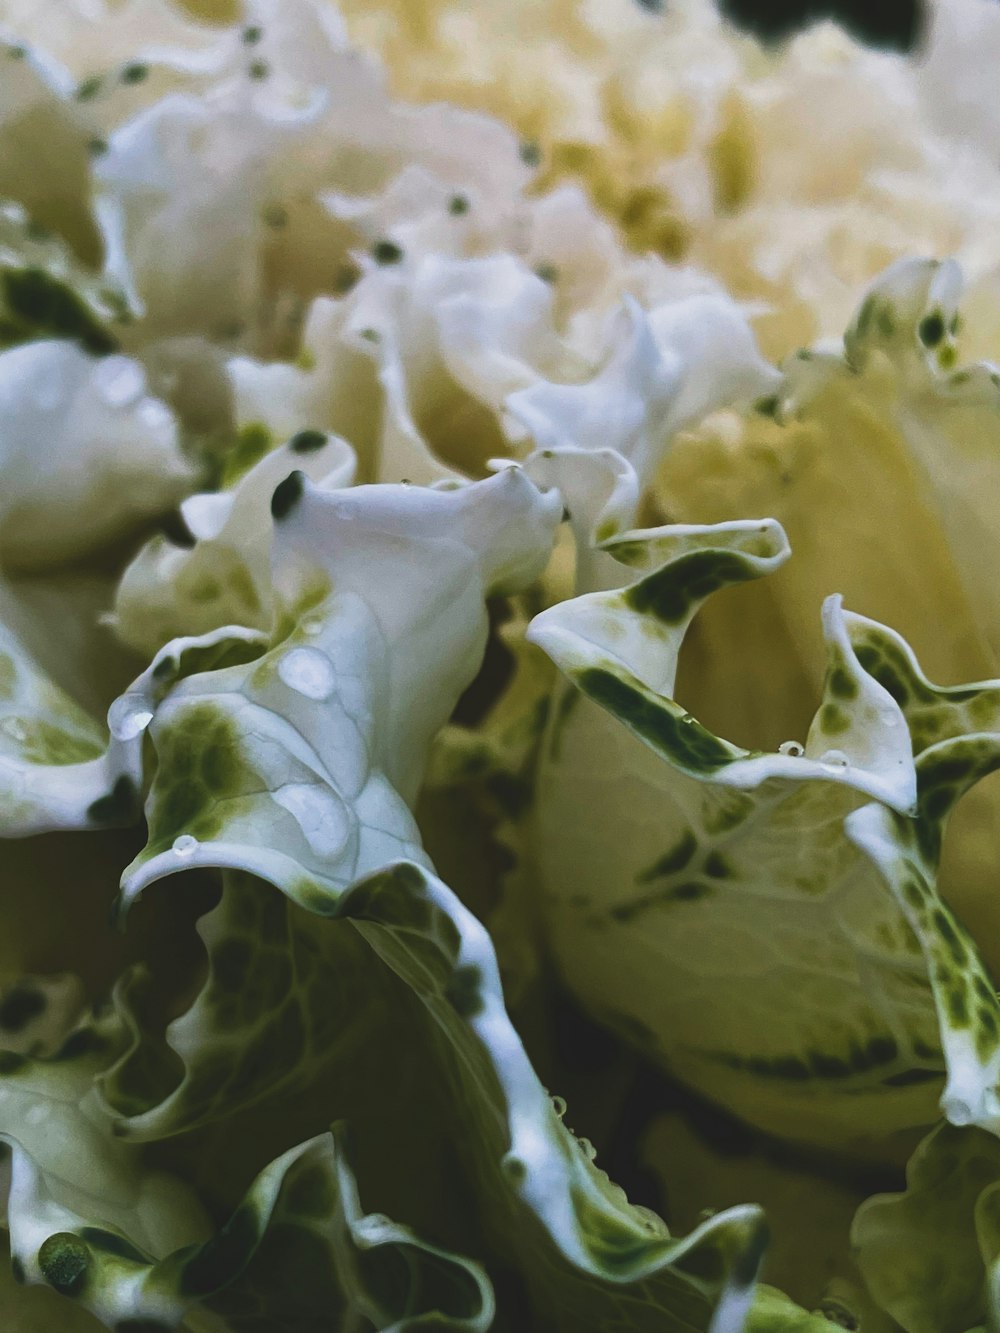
[{"x": 730, "y": 879}]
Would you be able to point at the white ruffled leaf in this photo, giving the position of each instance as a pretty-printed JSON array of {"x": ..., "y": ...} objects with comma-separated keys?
[
  {"x": 300, "y": 767},
  {"x": 224, "y": 578},
  {"x": 112, "y": 457}
]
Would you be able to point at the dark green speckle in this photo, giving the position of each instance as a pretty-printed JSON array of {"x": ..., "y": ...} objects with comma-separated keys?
[
  {"x": 286, "y": 495},
  {"x": 931, "y": 329},
  {"x": 307, "y": 441},
  {"x": 386, "y": 252}
]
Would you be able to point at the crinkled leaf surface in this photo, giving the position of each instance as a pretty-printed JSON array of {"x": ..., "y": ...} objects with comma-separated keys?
[
  {"x": 45, "y": 292},
  {"x": 58, "y": 768},
  {"x": 729, "y": 879},
  {"x": 929, "y": 1255},
  {"x": 299, "y": 766},
  {"x": 224, "y": 578},
  {"x": 112, "y": 452},
  {"x": 90, "y": 1219},
  {"x": 549, "y": 1210}
]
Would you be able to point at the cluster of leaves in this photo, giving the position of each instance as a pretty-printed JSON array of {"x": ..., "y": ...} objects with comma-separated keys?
[{"x": 407, "y": 417}]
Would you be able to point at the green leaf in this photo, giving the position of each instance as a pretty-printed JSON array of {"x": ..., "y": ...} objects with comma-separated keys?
[
  {"x": 45, "y": 292},
  {"x": 301, "y": 767},
  {"x": 930, "y": 1255},
  {"x": 58, "y": 768},
  {"x": 730, "y": 880},
  {"x": 224, "y": 578}
]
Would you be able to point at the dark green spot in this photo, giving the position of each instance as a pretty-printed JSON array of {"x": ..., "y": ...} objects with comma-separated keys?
[
  {"x": 547, "y": 272},
  {"x": 881, "y": 1050},
  {"x": 690, "y": 891},
  {"x": 165, "y": 669},
  {"x": 828, "y": 1066},
  {"x": 931, "y": 329},
  {"x": 287, "y": 494},
  {"x": 656, "y": 720},
  {"x": 386, "y": 252},
  {"x": 275, "y": 215},
  {"x": 511, "y": 793},
  {"x": 458, "y": 205},
  {"x": 717, "y": 866},
  {"x": 258, "y": 69},
  {"x": 842, "y": 684},
  {"x": 833, "y": 720},
  {"x": 89, "y": 88},
  {"x": 946, "y": 929},
  {"x": 672, "y": 592},
  {"x": 135, "y": 73},
  {"x": 983, "y": 990},
  {"x": 768, "y": 406},
  {"x": 251, "y": 35},
  {"x": 670, "y": 862},
  {"x": 17, "y": 1270},
  {"x": 530, "y": 153},
  {"x": 64, "y": 1260},
  {"x": 885, "y": 321},
  {"x": 958, "y": 1007},
  {"x": 307, "y": 441}
]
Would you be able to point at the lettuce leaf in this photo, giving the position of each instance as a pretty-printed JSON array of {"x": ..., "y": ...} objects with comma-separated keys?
[
  {"x": 835, "y": 833},
  {"x": 930, "y": 1255},
  {"x": 113, "y": 455},
  {"x": 222, "y": 579}
]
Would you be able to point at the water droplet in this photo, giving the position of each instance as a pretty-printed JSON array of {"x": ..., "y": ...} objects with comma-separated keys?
[
  {"x": 14, "y": 728},
  {"x": 559, "y": 1106},
  {"x": 128, "y": 716},
  {"x": 795, "y": 748},
  {"x": 889, "y": 717},
  {"x": 834, "y": 759},
  {"x": 119, "y": 380},
  {"x": 308, "y": 672},
  {"x": 185, "y": 845},
  {"x": 37, "y": 1115},
  {"x": 588, "y": 1149},
  {"x": 957, "y": 1111},
  {"x": 312, "y": 625},
  {"x": 688, "y": 719}
]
